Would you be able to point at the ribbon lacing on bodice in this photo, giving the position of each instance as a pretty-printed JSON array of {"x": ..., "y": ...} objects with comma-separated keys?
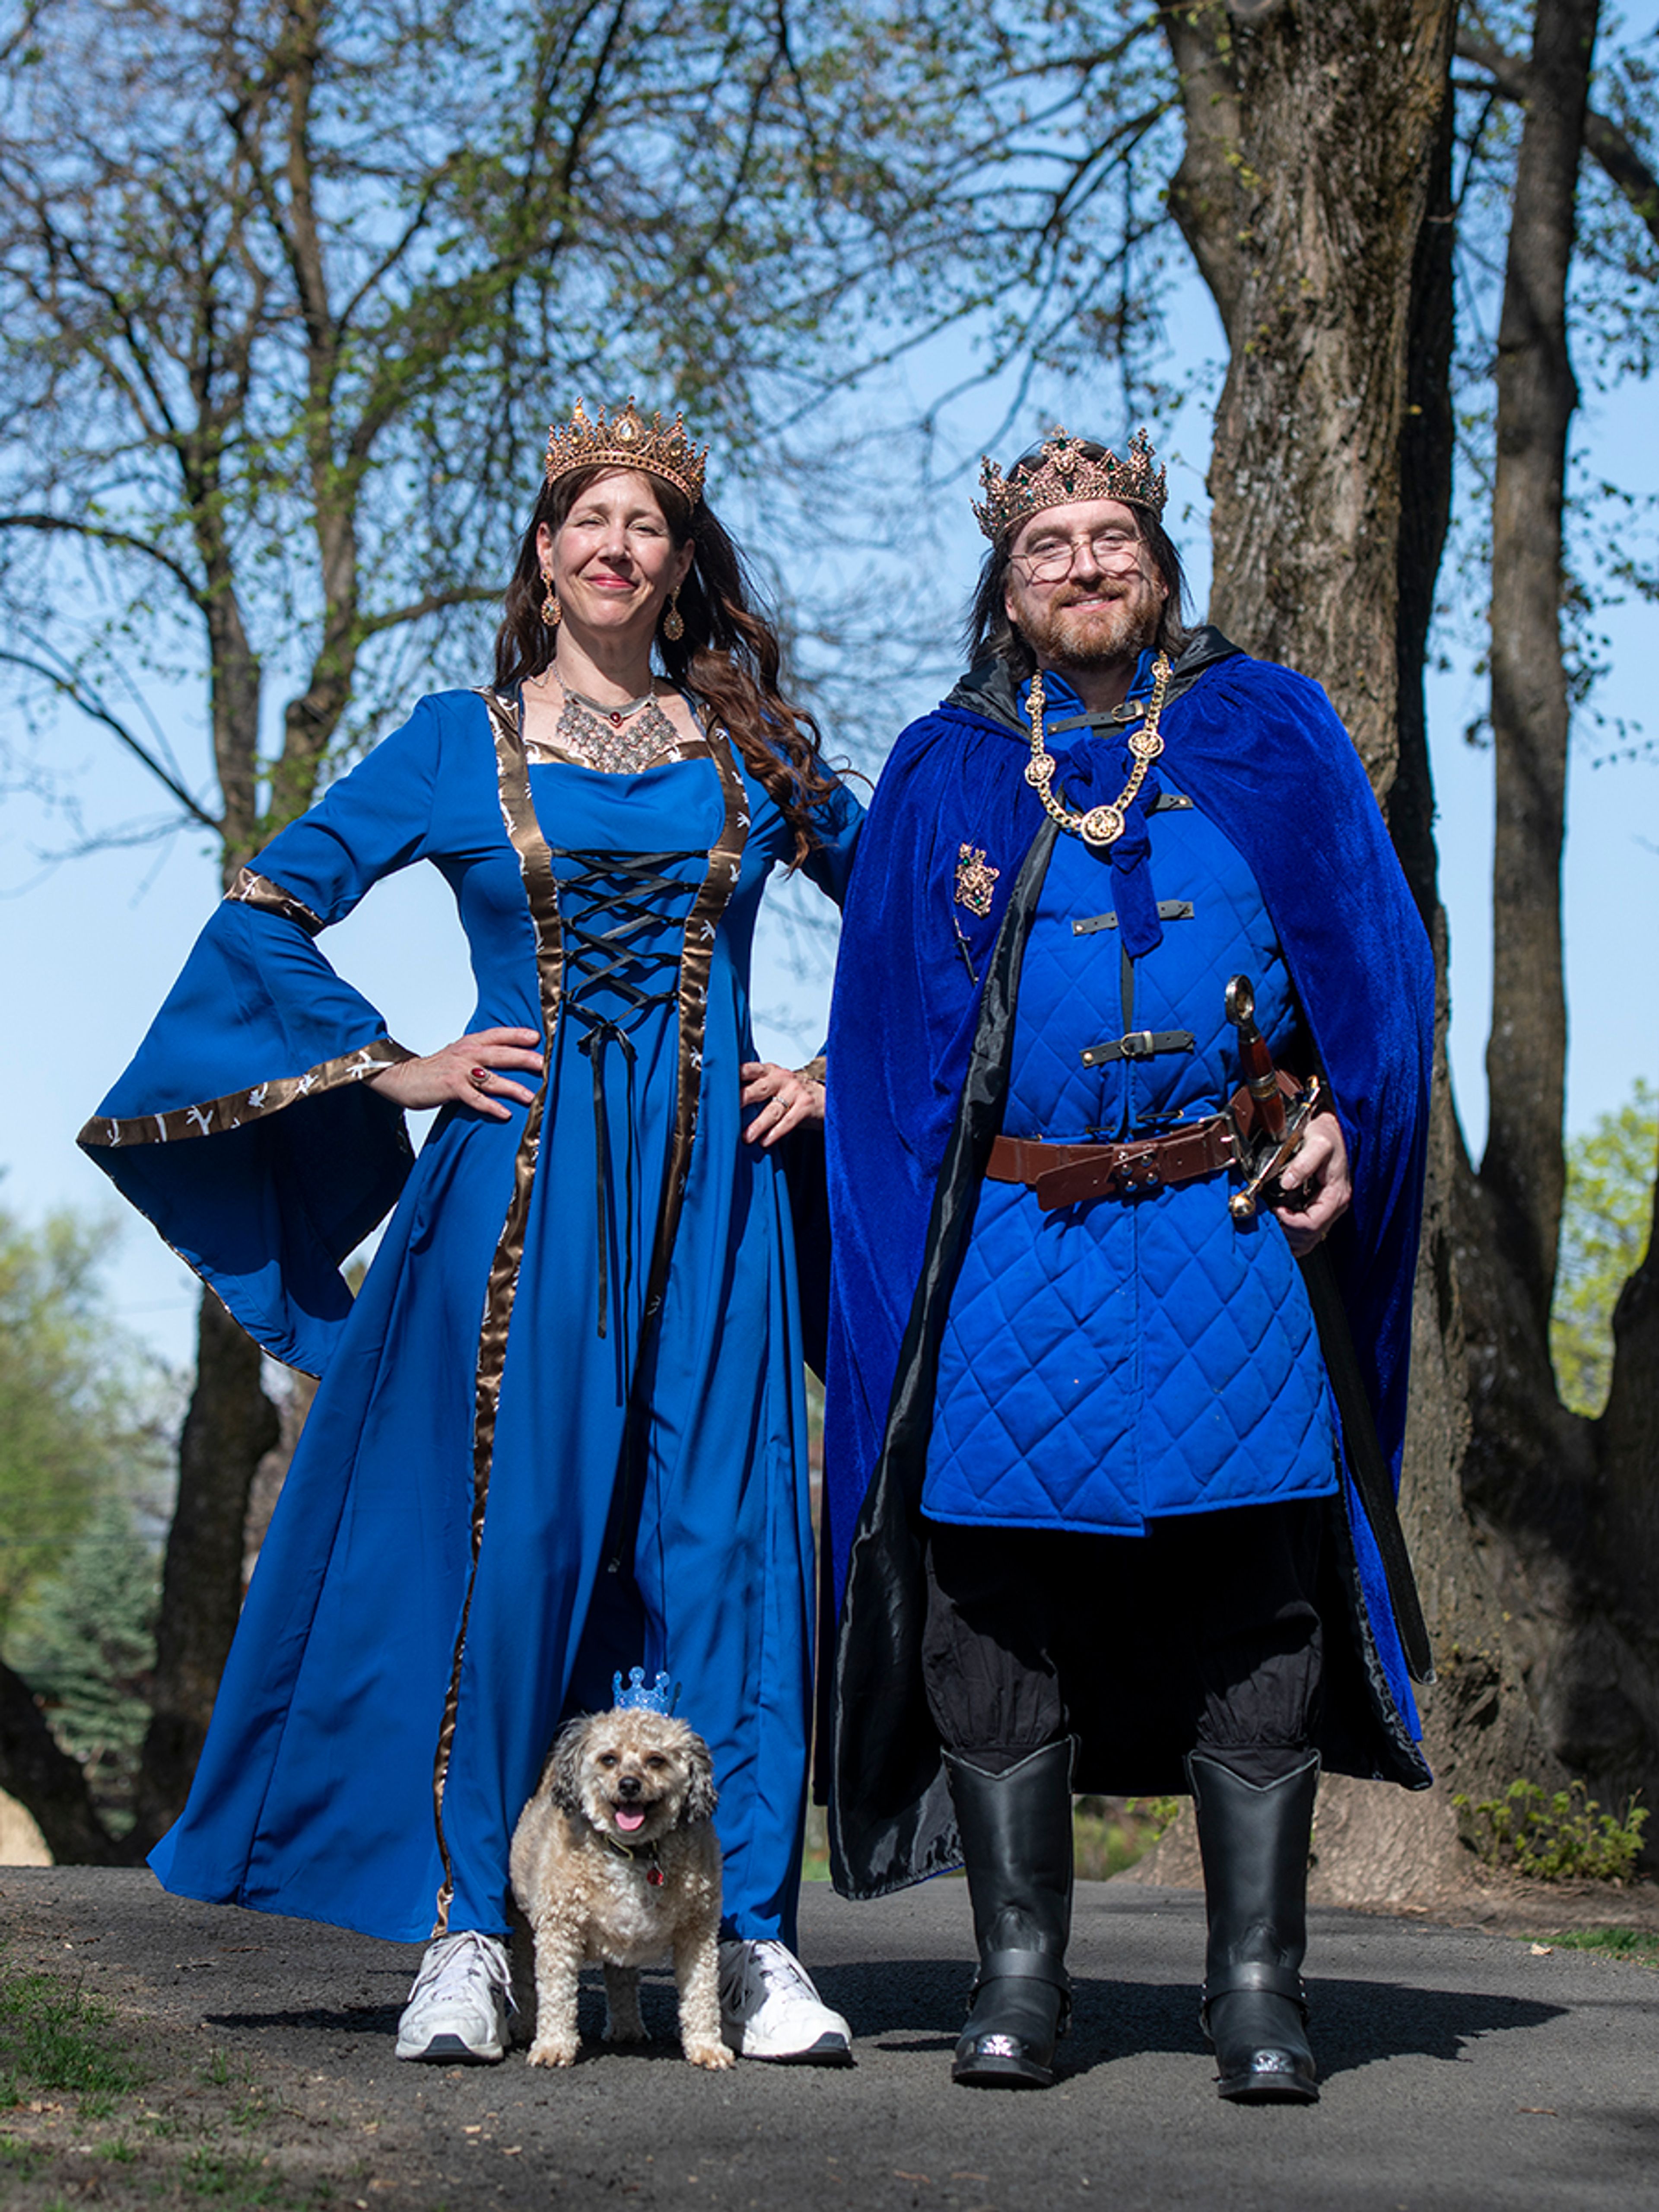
[{"x": 635, "y": 896}]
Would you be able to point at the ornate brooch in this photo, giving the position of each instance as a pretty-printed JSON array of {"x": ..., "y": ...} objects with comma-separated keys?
[{"x": 975, "y": 880}]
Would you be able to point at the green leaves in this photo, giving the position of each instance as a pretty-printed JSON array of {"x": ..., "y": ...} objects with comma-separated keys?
[
  {"x": 85, "y": 1432},
  {"x": 1554, "y": 1836},
  {"x": 1605, "y": 1225}
]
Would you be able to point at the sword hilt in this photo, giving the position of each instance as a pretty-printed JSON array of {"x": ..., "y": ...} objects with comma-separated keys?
[
  {"x": 1281, "y": 1127},
  {"x": 1255, "y": 1057}
]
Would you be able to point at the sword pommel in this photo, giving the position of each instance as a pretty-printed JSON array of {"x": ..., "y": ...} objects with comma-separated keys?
[{"x": 1240, "y": 1002}]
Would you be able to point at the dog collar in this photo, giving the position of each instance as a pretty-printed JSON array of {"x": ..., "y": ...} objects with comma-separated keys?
[{"x": 632, "y": 1852}]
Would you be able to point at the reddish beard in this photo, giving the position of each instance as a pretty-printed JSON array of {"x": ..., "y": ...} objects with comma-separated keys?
[{"x": 1111, "y": 630}]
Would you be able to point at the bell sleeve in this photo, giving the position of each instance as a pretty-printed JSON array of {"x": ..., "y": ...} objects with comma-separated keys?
[{"x": 243, "y": 1128}]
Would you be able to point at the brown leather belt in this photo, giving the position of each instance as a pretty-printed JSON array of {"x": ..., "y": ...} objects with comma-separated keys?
[{"x": 1061, "y": 1175}]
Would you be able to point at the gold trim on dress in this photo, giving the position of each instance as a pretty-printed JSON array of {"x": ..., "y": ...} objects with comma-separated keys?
[
  {"x": 251, "y": 890},
  {"x": 702, "y": 927},
  {"x": 213, "y": 1116}
]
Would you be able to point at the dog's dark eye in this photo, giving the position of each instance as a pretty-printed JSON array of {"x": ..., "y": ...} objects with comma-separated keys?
[
  {"x": 607, "y": 1759},
  {"x": 656, "y": 1758}
]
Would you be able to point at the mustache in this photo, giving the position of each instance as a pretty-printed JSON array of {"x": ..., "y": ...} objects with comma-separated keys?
[{"x": 1108, "y": 589}]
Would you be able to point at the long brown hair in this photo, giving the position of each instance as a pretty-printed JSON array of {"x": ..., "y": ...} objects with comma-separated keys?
[{"x": 729, "y": 655}]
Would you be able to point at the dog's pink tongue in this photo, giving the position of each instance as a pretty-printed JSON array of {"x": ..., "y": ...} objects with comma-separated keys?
[{"x": 627, "y": 1820}]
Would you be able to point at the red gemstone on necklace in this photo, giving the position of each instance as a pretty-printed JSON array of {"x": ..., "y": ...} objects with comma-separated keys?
[{"x": 615, "y": 720}]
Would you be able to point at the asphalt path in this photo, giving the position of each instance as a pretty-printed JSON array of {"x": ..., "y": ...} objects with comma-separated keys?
[{"x": 1460, "y": 2068}]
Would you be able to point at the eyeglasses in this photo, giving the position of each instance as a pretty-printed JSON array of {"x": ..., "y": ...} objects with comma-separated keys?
[{"x": 1051, "y": 558}]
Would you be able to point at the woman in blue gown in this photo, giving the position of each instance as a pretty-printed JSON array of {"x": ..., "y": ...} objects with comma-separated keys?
[{"x": 561, "y": 1430}]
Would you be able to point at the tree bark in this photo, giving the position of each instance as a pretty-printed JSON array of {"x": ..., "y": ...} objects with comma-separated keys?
[
  {"x": 1326, "y": 118},
  {"x": 34, "y": 1771},
  {"x": 1522, "y": 1176},
  {"x": 1480, "y": 1727},
  {"x": 230, "y": 1426}
]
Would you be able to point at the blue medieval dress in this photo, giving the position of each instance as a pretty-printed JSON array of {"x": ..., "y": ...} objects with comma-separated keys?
[
  {"x": 561, "y": 1429},
  {"x": 1119, "y": 1363}
]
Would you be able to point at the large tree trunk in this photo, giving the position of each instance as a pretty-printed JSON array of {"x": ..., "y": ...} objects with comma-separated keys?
[
  {"x": 40, "y": 1775},
  {"x": 1523, "y": 1174},
  {"x": 1287, "y": 104},
  {"x": 1570, "y": 1503},
  {"x": 230, "y": 1426},
  {"x": 1315, "y": 196}
]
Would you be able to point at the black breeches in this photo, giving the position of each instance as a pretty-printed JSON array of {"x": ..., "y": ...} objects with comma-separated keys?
[{"x": 1026, "y": 1631}]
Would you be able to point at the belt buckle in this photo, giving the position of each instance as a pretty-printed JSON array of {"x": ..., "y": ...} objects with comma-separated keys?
[{"x": 1137, "y": 1044}]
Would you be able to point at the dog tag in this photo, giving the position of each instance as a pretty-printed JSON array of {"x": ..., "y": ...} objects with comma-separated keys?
[{"x": 653, "y": 1875}]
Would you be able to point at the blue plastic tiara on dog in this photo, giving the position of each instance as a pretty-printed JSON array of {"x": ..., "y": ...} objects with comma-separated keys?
[{"x": 659, "y": 1699}]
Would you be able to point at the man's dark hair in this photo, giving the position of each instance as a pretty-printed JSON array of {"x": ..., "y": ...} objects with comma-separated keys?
[{"x": 987, "y": 632}]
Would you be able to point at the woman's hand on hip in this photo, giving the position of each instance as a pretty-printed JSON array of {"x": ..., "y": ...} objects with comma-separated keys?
[
  {"x": 469, "y": 1073},
  {"x": 786, "y": 1097}
]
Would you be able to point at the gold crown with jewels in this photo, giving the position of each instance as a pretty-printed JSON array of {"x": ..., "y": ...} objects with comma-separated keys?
[
  {"x": 625, "y": 441},
  {"x": 1065, "y": 472}
]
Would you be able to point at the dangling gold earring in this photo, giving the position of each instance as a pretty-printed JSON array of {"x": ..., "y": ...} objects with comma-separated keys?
[
  {"x": 552, "y": 612},
  {"x": 673, "y": 622}
]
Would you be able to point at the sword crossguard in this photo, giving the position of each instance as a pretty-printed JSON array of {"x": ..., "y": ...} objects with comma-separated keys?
[
  {"x": 1244, "y": 1204},
  {"x": 1280, "y": 1124}
]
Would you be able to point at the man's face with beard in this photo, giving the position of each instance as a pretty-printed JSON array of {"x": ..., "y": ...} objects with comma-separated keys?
[{"x": 1082, "y": 588}]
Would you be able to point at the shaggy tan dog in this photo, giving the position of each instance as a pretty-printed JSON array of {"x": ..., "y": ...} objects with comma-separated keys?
[{"x": 616, "y": 1858}]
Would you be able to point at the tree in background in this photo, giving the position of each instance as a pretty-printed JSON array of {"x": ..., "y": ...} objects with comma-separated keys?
[
  {"x": 1606, "y": 1223},
  {"x": 86, "y": 1427},
  {"x": 1391, "y": 206},
  {"x": 80, "y": 1420},
  {"x": 85, "y": 1642}
]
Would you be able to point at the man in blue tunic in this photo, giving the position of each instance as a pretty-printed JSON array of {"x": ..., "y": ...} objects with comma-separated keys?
[{"x": 1110, "y": 1461}]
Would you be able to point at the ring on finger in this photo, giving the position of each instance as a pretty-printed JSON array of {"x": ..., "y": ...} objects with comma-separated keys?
[{"x": 478, "y": 1078}]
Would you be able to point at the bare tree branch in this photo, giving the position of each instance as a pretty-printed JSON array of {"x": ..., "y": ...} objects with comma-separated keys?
[
  {"x": 124, "y": 540},
  {"x": 1620, "y": 160},
  {"x": 92, "y": 708}
]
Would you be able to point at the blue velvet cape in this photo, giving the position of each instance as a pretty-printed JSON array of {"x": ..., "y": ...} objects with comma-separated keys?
[{"x": 915, "y": 1077}]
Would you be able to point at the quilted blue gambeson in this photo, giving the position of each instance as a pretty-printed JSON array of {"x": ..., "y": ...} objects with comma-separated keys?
[{"x": 1111, "y": 1362}]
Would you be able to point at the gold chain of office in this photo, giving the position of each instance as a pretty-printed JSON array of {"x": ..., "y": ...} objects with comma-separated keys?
[{"x": 1099, "y": 826}]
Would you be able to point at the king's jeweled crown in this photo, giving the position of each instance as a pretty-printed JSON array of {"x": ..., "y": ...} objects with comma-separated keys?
[
  {"x": 1063, "y": 472},
  {"x": 627, "y": 441}
]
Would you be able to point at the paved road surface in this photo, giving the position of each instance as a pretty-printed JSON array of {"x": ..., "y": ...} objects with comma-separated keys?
[{"x": 1460, "y": 2068}]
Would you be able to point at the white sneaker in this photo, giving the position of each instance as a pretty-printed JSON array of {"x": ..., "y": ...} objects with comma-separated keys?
[
  {"x": 457, "y": 2010},
  {"x": 769, "y": 2009}
]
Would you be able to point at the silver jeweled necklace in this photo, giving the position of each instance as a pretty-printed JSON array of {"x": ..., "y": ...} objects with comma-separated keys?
[{"x": 615, "y": 740}]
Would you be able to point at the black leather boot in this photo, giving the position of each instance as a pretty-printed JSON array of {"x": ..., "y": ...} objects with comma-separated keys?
[
  {"x": 1017, "y": 1842},
  {"x": 1255, "y": 1846}
]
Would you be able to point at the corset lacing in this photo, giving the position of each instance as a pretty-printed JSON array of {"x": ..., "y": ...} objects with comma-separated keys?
[{"x": 635, "y": 890}]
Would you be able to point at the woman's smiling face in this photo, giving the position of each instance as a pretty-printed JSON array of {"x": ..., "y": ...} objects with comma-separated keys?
[{"x": 613, "y": 558}]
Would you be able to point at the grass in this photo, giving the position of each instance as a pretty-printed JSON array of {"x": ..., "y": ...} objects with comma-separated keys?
[
  {"x": 169, "y": 2132},
  {"x": 1637, "y": 1944},
  {"x": 52, "y": 2037}
]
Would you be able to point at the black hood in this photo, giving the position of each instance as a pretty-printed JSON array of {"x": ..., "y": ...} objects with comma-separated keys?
[{"x": 989, "y": 688}]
